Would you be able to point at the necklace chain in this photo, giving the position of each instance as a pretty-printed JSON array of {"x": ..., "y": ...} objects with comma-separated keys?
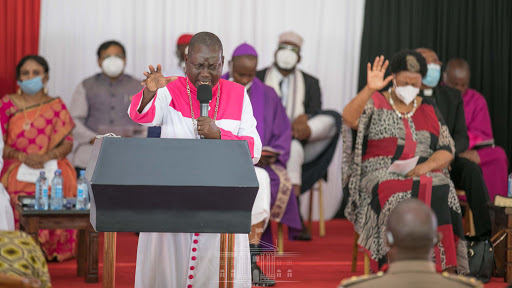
[
  {"x": 400, "y": 114},
  {"x": 194, "y": 121},
  {"x": 28, "y": 123}
]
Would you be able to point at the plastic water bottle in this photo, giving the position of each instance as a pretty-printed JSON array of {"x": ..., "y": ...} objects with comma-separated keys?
[
  {"x": 41, "y": 202},
  {"x": 82, "y": 195},
  {"x": 510, "y": 185},
  {"x": 57, "y": 191}
]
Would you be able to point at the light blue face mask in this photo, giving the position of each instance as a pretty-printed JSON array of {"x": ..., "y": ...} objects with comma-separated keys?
[
  {"x": 31, "y": 86},
  {"x": 433, "y": 75}
]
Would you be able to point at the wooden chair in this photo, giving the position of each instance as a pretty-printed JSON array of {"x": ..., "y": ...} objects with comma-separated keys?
[
  {"x": 15, "y": 281},
  {"x": 321, "y": 220},
  {"x": 348, "y": 159},
  {"x": 280, "y": 239},
  {"x": 355, "y": 251},
  {"x": 469, "y": 225}
]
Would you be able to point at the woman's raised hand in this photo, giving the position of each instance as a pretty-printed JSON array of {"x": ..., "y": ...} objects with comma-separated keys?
[{"x": 375, "y": 74}]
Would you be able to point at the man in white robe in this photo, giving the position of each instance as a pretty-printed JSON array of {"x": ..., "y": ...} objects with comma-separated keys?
[{"x": 192, "y": 259}]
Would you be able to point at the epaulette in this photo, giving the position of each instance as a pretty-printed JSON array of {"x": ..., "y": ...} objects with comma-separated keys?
[
  {"x": 359, "y": 279},
  {"x": 470, "y": 281}
]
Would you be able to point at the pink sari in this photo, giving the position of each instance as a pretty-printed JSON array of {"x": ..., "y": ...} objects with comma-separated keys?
[{"x": 51, "y": 124}]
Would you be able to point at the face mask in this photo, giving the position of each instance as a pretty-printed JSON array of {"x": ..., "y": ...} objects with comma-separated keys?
[
  {"x": 31, "y": 86},
  {"x": 112, "y": 66},
  {"x": 286, "y": 59},
  {"x": 433, "y": 75},
  {"x": 406, "y": 93}
]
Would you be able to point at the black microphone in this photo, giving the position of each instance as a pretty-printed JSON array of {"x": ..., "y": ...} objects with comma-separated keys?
[{"x": 204, "y": 95}]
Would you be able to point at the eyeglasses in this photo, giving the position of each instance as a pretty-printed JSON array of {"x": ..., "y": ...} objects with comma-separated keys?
[{"x": 289, "y": 47}]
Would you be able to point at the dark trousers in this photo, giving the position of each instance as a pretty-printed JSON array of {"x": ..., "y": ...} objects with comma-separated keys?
[{"x": 467, "y": 175}]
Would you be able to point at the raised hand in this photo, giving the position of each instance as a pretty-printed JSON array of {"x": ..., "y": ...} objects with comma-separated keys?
[
  {"x": 375, "y": 74},
  {"x": 154, "y": 78},
  {"x": 154, "y": 81}
]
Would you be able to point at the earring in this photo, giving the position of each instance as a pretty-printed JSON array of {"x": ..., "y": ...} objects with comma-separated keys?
[
  {"x": 19, "y": 92},
  {"x": 45, "y": 91}
]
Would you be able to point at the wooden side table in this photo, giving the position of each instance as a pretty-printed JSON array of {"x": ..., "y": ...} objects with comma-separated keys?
[
  {"x": 31, "y": 221},
  {"x": 502, "y": 220}
]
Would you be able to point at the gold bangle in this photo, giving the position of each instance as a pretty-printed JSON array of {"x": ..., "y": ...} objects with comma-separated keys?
[{"x": 21, "y": 155}]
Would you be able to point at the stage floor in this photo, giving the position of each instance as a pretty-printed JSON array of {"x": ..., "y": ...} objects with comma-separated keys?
[{"x": 322, "y": 262}]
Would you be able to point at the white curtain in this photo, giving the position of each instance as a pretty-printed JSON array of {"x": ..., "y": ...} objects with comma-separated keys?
[{"x": 71, "y": 31}]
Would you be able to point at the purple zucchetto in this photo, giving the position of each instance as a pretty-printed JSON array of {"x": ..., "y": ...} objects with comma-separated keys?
[{"x": 244, "y": 49}]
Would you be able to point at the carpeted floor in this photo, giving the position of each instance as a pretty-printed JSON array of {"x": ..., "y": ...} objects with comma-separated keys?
[{"x": 322, "y": 262}]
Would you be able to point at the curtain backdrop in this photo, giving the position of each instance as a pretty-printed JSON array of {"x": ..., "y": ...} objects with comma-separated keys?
[
  {"x": 19, "y": 35},
  {"x": 479, "y": 31},
  {"x": 71, "y": 32}
]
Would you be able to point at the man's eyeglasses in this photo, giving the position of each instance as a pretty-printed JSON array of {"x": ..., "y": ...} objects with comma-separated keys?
[{"x": 289, "y": 47}]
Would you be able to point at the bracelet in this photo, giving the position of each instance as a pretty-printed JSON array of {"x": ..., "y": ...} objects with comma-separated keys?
[{"x": 21, "y": 155}]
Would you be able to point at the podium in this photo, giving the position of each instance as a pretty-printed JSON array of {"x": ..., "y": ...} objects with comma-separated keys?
[{"x": 169, "y": 185}]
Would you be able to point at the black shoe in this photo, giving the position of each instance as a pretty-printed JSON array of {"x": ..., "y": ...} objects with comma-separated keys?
[
  {"x": 304, "y": 235},
  {"x": 259, "y": 279}
]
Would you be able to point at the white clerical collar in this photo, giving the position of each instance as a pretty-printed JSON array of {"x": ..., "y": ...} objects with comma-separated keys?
[
  {"x": 247, "y": 87},
  {"x": 428, "y": 92}
]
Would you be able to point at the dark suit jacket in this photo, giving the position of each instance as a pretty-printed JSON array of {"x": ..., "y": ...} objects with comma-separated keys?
[
  {"x": 450, "y": 105},
  {"x": 313, "y": 97}
]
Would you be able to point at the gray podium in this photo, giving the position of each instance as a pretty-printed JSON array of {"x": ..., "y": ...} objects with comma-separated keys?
[{"x": 170, "y": 185}]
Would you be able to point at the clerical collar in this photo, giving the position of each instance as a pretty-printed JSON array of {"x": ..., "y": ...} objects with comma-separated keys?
[
  {"x": 247, "y": 87},
  {"x": 428, "y": 92}
]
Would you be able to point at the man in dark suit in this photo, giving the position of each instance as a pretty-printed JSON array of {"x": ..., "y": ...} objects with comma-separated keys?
[
  {"x": 315, "y": 132},
  {"x": 464, "y": 173}
]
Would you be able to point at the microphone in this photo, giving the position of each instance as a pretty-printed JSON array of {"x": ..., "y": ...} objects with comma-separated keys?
[{"x": 204, "y": 95}]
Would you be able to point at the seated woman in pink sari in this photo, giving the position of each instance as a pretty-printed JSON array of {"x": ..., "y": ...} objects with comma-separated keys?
[{"x": 36, "y": 129}]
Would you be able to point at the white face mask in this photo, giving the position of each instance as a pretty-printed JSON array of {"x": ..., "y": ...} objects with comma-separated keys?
[
  {"x": 112, "y": 66},
  {"x": 406, "y": 93},
  {"x": 286, "y": 59}
]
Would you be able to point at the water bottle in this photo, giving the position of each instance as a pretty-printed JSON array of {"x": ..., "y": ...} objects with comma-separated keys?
[
  {"x": 57, "y": 191},
  {"x": 41, "y": 192},
  {"x": 82, "y": 195},
  {"x": 510, "y": 185}
]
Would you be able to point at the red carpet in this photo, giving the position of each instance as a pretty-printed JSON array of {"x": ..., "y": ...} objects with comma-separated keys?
[{"x": 320, "y": 263}]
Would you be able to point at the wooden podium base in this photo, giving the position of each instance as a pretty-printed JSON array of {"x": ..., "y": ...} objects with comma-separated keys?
[{"x": 109, "y": 260}]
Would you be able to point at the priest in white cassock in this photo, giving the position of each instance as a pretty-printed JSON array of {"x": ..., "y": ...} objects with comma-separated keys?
[{"x": 193, "y": 259}]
